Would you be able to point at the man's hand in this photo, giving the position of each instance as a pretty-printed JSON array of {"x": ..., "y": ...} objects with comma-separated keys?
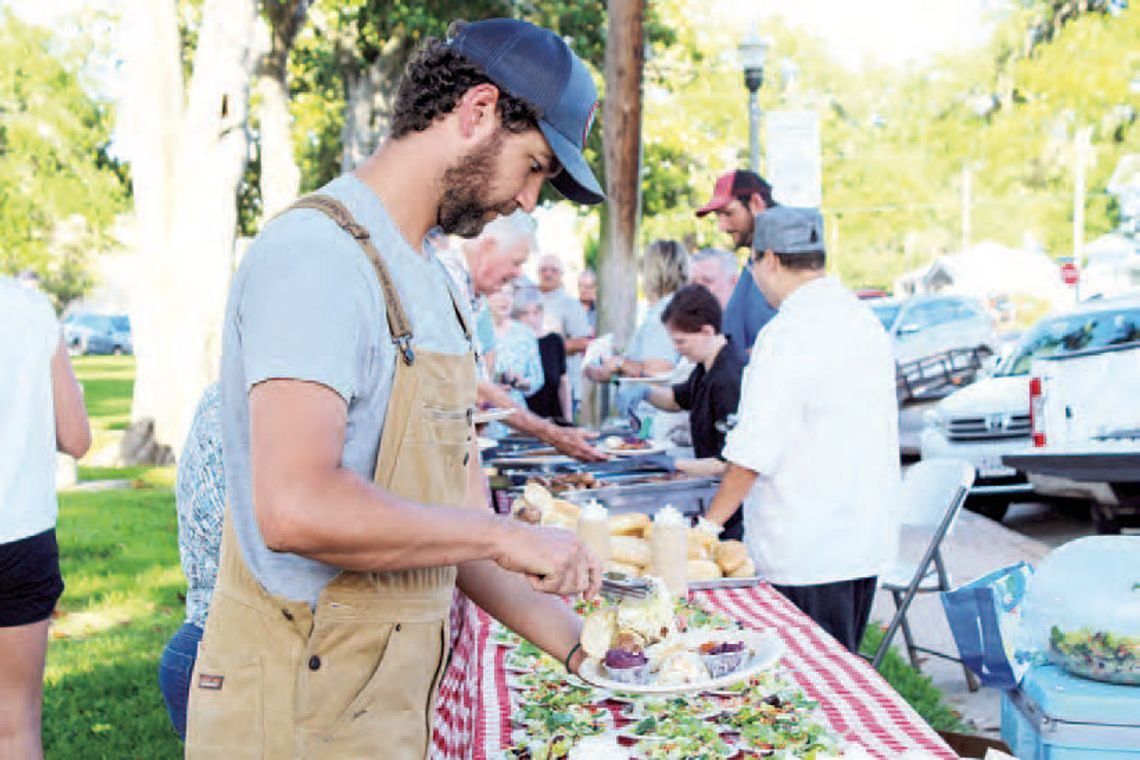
[
  {"x": 553, "y": 560},
  {"x": 574, "y": 442}
]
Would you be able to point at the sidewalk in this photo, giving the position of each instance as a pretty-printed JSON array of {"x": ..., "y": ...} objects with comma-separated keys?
[{"x": 977, "y": 546}]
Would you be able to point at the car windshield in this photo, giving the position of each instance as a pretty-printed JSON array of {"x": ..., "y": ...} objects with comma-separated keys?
[
  {"x": 121, "y": 323},
  {"x": 886, "y": 312},
  {"x": 1071, "y": 333}
]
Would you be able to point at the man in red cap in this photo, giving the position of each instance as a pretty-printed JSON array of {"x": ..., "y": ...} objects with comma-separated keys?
[{"x": 738, "y": 197}]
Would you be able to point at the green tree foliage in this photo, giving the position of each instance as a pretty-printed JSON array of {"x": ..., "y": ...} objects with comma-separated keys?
[
  {"x": 1010, "y": 117},
  {"x": 59, "y": 189},
  {"x": 355, "y": 33},
  {"x": 895, "y": 141}
]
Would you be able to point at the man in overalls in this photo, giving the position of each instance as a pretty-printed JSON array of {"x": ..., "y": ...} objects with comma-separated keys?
[{"x": 355, "y": 496}]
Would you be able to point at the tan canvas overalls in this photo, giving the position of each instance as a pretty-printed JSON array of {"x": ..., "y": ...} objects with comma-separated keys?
[{"x": 356, "y": 677}]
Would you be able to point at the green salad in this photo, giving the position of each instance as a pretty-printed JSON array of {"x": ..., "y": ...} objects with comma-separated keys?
[{"x": 1101, "y": 655}]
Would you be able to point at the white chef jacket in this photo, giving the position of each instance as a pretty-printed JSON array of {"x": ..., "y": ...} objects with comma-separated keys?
[{"x": 818, "y": 421}]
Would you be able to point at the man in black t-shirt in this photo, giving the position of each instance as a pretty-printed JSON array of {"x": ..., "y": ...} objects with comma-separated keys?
[{"x": 712, "y": 390}]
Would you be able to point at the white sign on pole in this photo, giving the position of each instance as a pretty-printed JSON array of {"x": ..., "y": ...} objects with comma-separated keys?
[{"x": 794, "y": 157}]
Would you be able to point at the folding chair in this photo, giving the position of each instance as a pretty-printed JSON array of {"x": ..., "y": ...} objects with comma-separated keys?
[{"x": 932, "y": 495}]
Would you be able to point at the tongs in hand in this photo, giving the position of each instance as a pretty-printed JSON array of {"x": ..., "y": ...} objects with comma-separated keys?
[{"x": 619, "y": 585}]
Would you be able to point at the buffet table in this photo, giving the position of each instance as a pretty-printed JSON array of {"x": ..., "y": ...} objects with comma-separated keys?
[{"x": 473, "y": 721}]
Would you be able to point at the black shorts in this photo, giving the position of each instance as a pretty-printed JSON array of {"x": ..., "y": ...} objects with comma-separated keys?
[{"x": 30, "y": 583}]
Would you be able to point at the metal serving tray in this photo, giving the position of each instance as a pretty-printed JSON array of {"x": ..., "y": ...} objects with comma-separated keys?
[{"x": 689, "y": 496}]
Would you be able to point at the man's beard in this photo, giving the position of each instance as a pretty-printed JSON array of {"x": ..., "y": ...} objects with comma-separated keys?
[
  {"x": 463, "y": 209},
  {"x": 742, "y": 239}
]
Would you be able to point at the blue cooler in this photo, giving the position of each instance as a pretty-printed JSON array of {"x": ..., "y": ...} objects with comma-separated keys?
[{"x": 1057, "y": 716}]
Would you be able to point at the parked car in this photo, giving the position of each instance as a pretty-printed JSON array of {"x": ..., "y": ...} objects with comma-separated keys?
[
  {"x": 926, "y": 325},
  {"x": 90, "y": 333},
  {"x": 990, "y": 419}
]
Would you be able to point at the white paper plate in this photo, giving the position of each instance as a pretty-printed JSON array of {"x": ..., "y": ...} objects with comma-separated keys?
[
  {"x": 653, "y": 448},
  {"x": 491, "y": 415},
  {"x": 487, "y": 443},
  {"x": 655, "y": 379},
  {"x": 766, "y": 648}
]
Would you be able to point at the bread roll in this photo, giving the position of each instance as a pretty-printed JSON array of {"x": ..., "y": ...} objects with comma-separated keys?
[
  {"x": 598, "y": 631},
  {"x": 747, "y": 570},
  {"x": 537, "y": 495},
  {"x": 561, "y": 514},
  {"x": 633, "y": 571},
  {"x": 525, "y": 511},
  {"x": 629, "y": 524},
  {"x": 730, "y": 555},
  {"x": 704, "y": 570},
  {"x": 703, "y": 538},
  {"x": 630, "y": 550},
  {"x": 698, "y": 547}
]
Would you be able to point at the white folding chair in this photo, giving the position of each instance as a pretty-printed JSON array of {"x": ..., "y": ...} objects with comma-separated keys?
[{"x": 932, "y": 495}]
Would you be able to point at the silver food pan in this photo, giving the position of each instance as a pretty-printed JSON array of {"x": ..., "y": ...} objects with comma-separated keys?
[{"x": 690, "y": 496}]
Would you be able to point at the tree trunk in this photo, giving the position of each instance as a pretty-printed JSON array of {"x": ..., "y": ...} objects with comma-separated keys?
[
  {"x": 152, "y": 109},
  {"x": 617, "y": 280},
  {"x": 280, "y": 175},
  {"x": 188, "y": 233},
  {"x": 369, "y": 95}
]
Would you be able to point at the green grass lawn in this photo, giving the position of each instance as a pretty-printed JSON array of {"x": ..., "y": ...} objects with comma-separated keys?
[{"x": 119, "y": 556}]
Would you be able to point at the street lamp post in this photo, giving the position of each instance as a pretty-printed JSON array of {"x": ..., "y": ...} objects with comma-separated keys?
[{"x": 753, "y": 51}]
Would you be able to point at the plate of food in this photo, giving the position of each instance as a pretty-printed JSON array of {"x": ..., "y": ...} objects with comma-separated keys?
[
  {"x": 635, "y": 647},
  {"x": 629, "y": 445},
  {"x": 494, "y": 414},
  {"x": 653, "y": 379}
]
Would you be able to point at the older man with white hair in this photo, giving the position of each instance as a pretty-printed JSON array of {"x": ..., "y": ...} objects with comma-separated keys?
[
  {"x": 717, "y": 270},
  {"x": 483, "y": 265}
]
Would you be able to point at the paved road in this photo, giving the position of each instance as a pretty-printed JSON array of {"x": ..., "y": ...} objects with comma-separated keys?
[{"x": 977, "y": 546}]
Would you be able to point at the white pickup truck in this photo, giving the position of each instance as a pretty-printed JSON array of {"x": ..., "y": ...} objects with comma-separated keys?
[{"x": 1085, "y": 424}]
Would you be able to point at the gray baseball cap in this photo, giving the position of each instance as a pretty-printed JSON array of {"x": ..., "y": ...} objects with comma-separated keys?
[{"x": 788, "y": 230}]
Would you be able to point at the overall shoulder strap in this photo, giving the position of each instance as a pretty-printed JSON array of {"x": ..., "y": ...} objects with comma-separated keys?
[{"x": 398, "y": 324}]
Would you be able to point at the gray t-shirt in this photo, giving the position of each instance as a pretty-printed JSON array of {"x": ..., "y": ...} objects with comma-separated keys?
[{"x": 306, "y": 304}]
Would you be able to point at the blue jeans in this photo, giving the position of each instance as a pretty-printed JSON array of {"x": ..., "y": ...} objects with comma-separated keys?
[{"x": 174, "y": 673}]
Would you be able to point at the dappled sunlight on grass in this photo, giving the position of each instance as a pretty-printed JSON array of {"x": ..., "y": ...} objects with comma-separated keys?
[{"x": 119, "y": 556}]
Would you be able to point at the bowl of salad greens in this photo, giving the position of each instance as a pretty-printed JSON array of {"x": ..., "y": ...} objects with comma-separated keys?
[{"x": 1100, "y": 655}]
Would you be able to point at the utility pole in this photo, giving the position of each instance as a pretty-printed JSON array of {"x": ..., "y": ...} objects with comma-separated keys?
[
  {"x": 1080, "y": 166},
  {"x": 621, "y": 134},
  {"x": 966, "y": 191},
  {"x": 617, "y": 282}
]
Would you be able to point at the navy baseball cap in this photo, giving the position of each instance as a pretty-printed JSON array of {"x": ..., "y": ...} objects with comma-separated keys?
[
  {"x": 788, "y": 230},
  {"x": 537, "y": 66}
]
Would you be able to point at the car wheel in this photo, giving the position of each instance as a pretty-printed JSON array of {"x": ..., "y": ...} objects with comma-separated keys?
[
  {"x": 117, "y": 350},
  {"x": 993, "y": 506},
  {"x": 1104, "y": 519}
]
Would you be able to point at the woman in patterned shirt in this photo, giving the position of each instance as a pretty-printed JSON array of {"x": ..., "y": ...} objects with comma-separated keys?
[
  {"x": 518, "y": 366},
  {"x": 200, "y": 497}
]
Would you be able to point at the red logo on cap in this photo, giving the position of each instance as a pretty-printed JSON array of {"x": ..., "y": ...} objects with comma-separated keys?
[{"x": 589, "y": 122}]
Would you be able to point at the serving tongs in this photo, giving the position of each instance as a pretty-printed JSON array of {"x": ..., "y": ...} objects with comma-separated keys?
[{"x": 616, "y": 585}]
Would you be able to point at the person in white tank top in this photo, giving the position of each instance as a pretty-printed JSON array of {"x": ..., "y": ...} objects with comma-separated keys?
[{"x": 41, "y": 412}]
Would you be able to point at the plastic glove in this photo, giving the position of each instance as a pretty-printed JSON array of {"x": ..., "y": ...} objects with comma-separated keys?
[{"x": 708, "y": 526}]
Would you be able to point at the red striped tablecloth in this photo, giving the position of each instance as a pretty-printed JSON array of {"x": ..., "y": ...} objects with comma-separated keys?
[{"x": 472, "y": 720}]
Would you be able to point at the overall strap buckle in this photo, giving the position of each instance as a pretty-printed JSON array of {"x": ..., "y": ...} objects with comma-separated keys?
[{"x": 404, "y": 343}]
